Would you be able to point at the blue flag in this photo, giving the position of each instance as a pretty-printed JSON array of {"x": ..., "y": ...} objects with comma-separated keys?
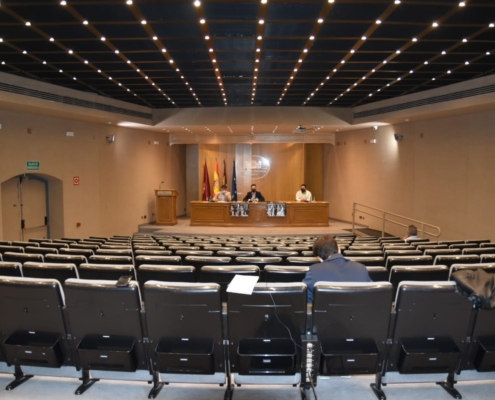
[{"x": 234, "y": 185}]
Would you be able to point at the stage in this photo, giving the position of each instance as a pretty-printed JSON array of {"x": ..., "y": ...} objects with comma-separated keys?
[{"x": 183, "y": 227}]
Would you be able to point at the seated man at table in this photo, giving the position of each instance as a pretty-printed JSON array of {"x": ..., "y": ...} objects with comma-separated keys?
[
  {"x": 223, "y": 194},
  {"x": 333, "y": 267},
  {"x": 304, "y": 194},
  {"x": 253, "y": 195}
]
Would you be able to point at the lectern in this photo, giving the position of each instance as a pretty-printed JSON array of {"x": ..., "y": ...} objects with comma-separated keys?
[{"x": 166, "y": 211}]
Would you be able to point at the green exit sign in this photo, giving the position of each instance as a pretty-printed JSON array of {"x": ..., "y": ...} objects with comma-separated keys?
[{"x": 33, "y": 165}]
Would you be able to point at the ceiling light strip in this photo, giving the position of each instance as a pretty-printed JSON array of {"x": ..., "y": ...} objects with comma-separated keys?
[
  {"x": 325, "y": 11},
  {"x": 258, "y": 48}
]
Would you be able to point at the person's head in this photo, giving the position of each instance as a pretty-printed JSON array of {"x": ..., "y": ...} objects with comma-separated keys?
[
  {"x": 325, "y": 246},
  {"x": 303, "y": 187},
  {"x": 412, "y": 231},
  {"x": 224, "y": 188},
  {"x": 253, "y": 188}
]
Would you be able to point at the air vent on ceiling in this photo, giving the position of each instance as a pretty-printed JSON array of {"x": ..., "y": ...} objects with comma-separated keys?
[
  {"x": 4, "y": 87},
  {"x": 428, "y": 101}
]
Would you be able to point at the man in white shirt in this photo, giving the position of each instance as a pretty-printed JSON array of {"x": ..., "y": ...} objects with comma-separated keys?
[
  {"x": 223, "y": 195},
  {"x": 412, "y": 233},
  {"x": 304, "y": 194}
]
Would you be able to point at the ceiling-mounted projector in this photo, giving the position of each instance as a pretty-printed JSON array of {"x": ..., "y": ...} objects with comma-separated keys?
[{"x": 300, "y": 129}]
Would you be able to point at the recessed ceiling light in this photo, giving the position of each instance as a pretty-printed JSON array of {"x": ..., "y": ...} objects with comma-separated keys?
[
  {"x": 70, "y": 51},
  {"x": 433, "y": 79},
  {"x": 464, "y": 40},
  {"x": 491, "y": 25},
  {"x": 415, "y": 39},
  {"x": 214, "y": 60},
  {"x": 85, "y": 61},
  {"x": 143, "y": 22},
  {"x": 116, "y": 51},
  {"x": 300, "y": 60},
  {"x": 28, "y": 23},
  {"x": 85, "y": 22},
  {"x": 207, "y": 37},
  {"x": 197, "y": 3},
  {"x": 260, "y": 37},
  {"x": 109, "y": 78},
  {"x": 311, "y": 37},
  {"x": 103, "y": 38},
  {"x": 202, "y": 21},
  {"x": 488, "y": 53},
  {"x": 52, "y": 39},
  {"x": 373, "y": 70},
  {"x": 411, "y": 71},
  {"x": 399, "y": 78},
  {"x": 328, "y": 77},
  {"x": 75, "y": 78},
  {"x": 335, "y": 70},
  {"x": 353, "y": 51},
  {"x": 211, "y": 50},
  {"x": 155, "y": 38},
  {"x": 99, "y": 71},
  {"x": 264, "y": 1},
  {"x": 60, "y": 71},
  {"x": 305, "y": 50},
  {"x": 258, "y": 50},
  {"x": 138, "y": 70},
  {"x": 398, "y": 51},
  {"x": 257, "y": 60},
  {"x": 467, "y": 63},
  {"x": 171, "y": 61},
  {"x": 462, "y": 4},
  {"x": 44, "y": 62},
  {"x": 320, "y": 20},
  {"x": 129, "y": 2},
  {"x": 378, "y": 21},
  {"x": 385, "y": 61},
  {"x": 444, "y": 52},
  {"x": 261, "y": 21},
  {"x": 397, "y": 1},
  {"x": 364, "y": 38},
  {"x": 435, "y": 24},
  {"x": 342, "y": 62},
  {"x": 63, "y": 3},
  {"x": 426, "y": 62},
  {"x": 449, "y": 71}
]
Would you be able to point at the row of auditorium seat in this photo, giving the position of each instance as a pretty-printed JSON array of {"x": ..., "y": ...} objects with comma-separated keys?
[{"x": 93, "y": 329}]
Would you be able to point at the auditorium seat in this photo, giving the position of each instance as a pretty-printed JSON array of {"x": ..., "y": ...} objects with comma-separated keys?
[
  {"x": 199, "y": 261},
  {"x": 415, "y": 241},
  {"x": 115, "y": 246},
  {"x": 40, "y": 250},
  {"x": 369, "y": 261},
  {"x": 13, "y": 249},
  {"x": 10, "y": 269},
  {"x": 36, "y": 240},
  {"x": 235, "y": 253},
  {"x": 258, "y": 261},
  {"x": 157, "y": 260},
  {"x": 5, "y": 243},
  {"x": 276, "y": 253},
  {"x": 351, "y": 322},
  {"x": 301, "y": 261},
  {"x": 33, "y": 325},
  {"x": 463, "y": 246},
  {"x": 478, "y": 241},
  {"x": 308, "y": 253},
  {"x": 66, "y": 259},
  {"x": 152, "y": 253},
  {"x": 224, "y": 275},
  {"x": 22, "y": 257},
  {"x": 113, "y": 252},
  {"x": 110, "y": 260},
  {"x": 442, "y": 252},
  {"x": 487, "y": 245},
  {"x": 59, "y": 241},
  {"x": 421, "y": 273},
  {"x": 487, "y": 258},
  {"x": 165, "y": 273},
  {"x": 106, "y": 271},
  {"x": 378, "y": 274},
  {"x": 149, "y": 247},
  {"x": 257, "y": 249},
  {"x": 184, "y": 247},
  {"x": 456, "y": 259},
  {"x": 429, "y": 335},
  {"x": 488, "y": 267},
  {"x": 449, "y": 242},
  {"x": 217, "y": 249},
  {"x": 275, "y": 273},
  {"x": 53, "y": 245},
  {"x": 478, "y": 250},
  {"x": 362, "y": 253},
  {"x": 75, "y": 240},
  {"x": 182, "y": 352},
  {"x": 401, "y": 253},
  {"x": 107, "y": 330},
  {"x": 408, "y": 260},
  {"x": 93, "y": 247},
  {"x": 60, "y": 272},
  {"x": 256, "y": 333},
  {"x": 77, "y": 252},
  {"x": 398, "y": 246},
  {"x": 20, "y": 243},
  {"x": 424, "y": 247}
]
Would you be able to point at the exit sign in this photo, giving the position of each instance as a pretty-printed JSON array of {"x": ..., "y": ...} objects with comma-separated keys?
[{"x": 33, "y": 165}]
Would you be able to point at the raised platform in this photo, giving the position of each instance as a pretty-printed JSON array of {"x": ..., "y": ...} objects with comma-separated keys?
[{"x": 183, "y": 228}]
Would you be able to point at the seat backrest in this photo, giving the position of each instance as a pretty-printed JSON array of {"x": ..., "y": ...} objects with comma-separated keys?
[
  {"x": 441, "y": 252},
  {"x": 487, "y": 258},
  {"x": 8, "y": 268},
  {"x": 235, "y": 253},
  {"x": 478, "y": 250},
  {"x": 116, "y": 260},
  {"x": 54, "y": 245},
  {"x": 40, "y": 250},
  {"x": 378, "y": 274},
  {"x": 478, "y": 241},
  {"x": 274, "y": 312},
  {"x": 114, "y": 252},
  {"x": 395, "y": 253},
  {"x": 60, "y": 272},
  {"x": 301, "y": 261},
  {"x": 463, "y": 246},
  {"x": 165, "y": 273},
  {"x": 174, "y": 311},
  {"x": 140, "y": 252},
  {"x": 199, "y": 261},
  {"x": 259, "y": 261},
  {"x": 22, "y": 257},
  {"x": 157, "y": 260},
  {"x": 77, "y": 252},
  {"x": 11, "y": 249},
  {"x": 66, "y": 259},
  {"x": 106, "y": 324},
  {"x": 362, "y": 253},
  {"x": 20, "y": 243},
  {"x": 224, "y": 275},
  {"x": 421, "y": 273},
  {"x": 275, "y": 273},
  {"x": 369, "y": 261},
  {"x": 487, "y": 267},
  {"x": 408, "y": 260},
  {"x": 106, "y": 271},
  {"x": 32, "y": 315},
  {"x": 456, "y": 259},
  {"x": 93, "y": 246}
]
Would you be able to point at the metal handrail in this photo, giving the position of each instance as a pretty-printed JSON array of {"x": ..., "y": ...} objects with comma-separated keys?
[{"x": 385, "y": 214}]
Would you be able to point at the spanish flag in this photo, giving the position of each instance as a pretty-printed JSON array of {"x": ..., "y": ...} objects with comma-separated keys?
[{"x": 216, "y": 179}]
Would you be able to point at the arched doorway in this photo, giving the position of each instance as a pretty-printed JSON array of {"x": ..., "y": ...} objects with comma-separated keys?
[{"x": 32, "y": 207}]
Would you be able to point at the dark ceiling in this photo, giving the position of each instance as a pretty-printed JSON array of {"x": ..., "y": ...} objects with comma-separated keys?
[{"x": 160, "y": 54}]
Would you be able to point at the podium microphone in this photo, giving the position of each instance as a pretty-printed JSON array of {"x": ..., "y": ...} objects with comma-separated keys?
[{"x": 161, "y": 183}]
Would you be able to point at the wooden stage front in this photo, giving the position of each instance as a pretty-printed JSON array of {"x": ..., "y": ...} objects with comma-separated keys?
[{"x": 314, "y": 214}]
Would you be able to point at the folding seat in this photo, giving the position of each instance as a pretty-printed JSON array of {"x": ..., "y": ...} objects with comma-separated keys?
[
  {"x": 200, "y": 261},
  {"x": 148, "y": 247},
  {"x": 449, "y": 260},
  {"x": 183, "y": 248},
  {"x": 256, "y": 249},
  {"x": 33, "y": 323},
  {"x": 275, "y": 273},
  {"x": 101, "y": 239},
  {"x": 265, "y": 332},
  {"x": 217, "y": 249},
  {"x": 392, "y": 261},
  {"x": 235, "y": 253},
  {"x": 152, "y": 253},
  {"x": 206, "y": 244},
  {"x": 449, "y": 242},
  {"x": 5, "y": 243},
  {"x": 19, "y": 243},
  {"x": 398, "y": 246},
  {"x": 394, "y": 239},
  {"x": 478, "y": 251},
  {"x": 116, "y": 246},
  {"x": 106, "y": 322},
  {"x": 198, "y": 253},
  {"x": 113, "y": 252},
  {"x": 59, "y": 241},
  {"x": 293, "y": 247},
  {"x": 463, "y": 246},
  {"x": 165, "y": 273},
  {"x": 363, "y": 253},
  {"x": 75, "y": 240},
  {"x": 489, "y": 244},
  {"x": 308, "y": 253},
  {"x": 398, "y": 253},
  {"x": 224, "y": 275},
  {"x": 422, "y": 273},
  {"x": 351, "y": 322},
  {"x": 157, "y": 260},
  {"x": 35, "y": 240},
  {"x": 93, "y": 247},
  {"x": 40, "y": 250},
  {"x": 442, "y": 252},
  {"x": 66, "y": 259},
  {"x": 369, "y": 261},
  {"x": 378, "y": 274},
  {"x": 106, "y": 271},
  {"x": 78, "y": 252},
  {"x": 479, "y": 241},
  {"x": 487, "y": 258},
  {"x": 110, "y": 260},
  {"x": 282, "y": 254},
  {"x": 10, "y": 269},
  {"x": 301, "y": 261},
  {"x": 430, "y": 328},
  {"x": 12, "y": 249},
  {"x": 258, "y": 261},
  {"x": 419, "y": 240},
  {"x": 179, "y": 351},
  {"x": 22, "y": 257},
  {"x": 60, "y": 272},
  {"x": 488, "y": 267},
  {"x": 53, "y": 245}
]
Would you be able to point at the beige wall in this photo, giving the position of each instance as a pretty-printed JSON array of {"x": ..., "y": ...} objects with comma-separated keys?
[
  {"x": 117, "y": 180},
  {"x": 442, "y": 172}
]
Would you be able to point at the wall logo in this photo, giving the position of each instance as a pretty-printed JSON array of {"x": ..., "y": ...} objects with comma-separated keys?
[{"x": 260, "y": 166}]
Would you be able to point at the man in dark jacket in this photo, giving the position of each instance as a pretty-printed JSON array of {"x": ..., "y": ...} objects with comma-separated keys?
[
  {"x": 253, "y": 195},
  {"x": 333, "y": 267}
]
